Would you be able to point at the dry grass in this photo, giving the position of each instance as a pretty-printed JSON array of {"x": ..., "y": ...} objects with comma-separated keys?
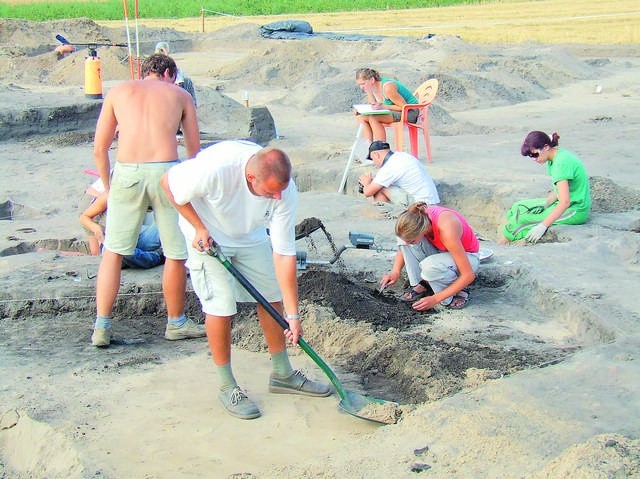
[{"x": 544, "y": 21}]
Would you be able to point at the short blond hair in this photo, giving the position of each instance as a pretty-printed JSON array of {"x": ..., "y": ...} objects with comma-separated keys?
[{"x": 272, "y": 162}]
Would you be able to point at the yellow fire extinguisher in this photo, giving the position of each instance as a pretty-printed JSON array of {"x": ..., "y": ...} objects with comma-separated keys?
[{"x": 93, "y": 75}]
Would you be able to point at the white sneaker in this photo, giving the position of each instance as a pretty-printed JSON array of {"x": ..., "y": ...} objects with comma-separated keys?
[{"x": 101, "y": 338}]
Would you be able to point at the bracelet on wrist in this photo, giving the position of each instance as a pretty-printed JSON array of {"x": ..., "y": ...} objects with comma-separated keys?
[{"x": 292, "y": 316}]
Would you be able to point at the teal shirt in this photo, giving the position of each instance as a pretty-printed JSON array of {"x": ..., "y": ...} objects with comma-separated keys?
[
  {"x": 567, "y": 166},
  {"x": 403, "y": 90}
]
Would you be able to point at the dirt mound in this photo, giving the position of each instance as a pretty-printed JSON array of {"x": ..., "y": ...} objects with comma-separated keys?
[
  {"x": 606, "y": 455},
  {"x": 69, "y": 71},
  {"x": 51, "y": 454},
  {"x": 26, "y": 50},
  {"x": 609, "y": 197},
  {"x": 29, "y": 58},
  {"x": 318, "y": 73},
  {"x": 23, "y": 37},
  {"x": 231, "y": 36}
]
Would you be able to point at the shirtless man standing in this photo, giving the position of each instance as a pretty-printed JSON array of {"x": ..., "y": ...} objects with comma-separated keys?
[{"x": 147, "y": 114}]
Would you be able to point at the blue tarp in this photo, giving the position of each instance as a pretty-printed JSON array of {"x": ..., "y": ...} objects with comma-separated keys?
[{"x": 299, "y": 30}]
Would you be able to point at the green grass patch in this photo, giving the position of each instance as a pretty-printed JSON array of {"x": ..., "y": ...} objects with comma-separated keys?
[{"x": 113, "y": 9}]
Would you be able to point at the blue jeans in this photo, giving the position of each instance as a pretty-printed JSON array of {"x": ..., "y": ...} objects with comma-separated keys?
[{"x": 147, "y": 253}]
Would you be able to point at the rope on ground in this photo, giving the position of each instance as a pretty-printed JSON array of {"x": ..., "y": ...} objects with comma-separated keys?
[
  {"x": 203, "y": 10},
  {"x": 220, "y": 13}
]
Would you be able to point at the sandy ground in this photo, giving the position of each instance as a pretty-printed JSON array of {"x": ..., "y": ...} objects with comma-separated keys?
[{"x": 537, "y": 377}]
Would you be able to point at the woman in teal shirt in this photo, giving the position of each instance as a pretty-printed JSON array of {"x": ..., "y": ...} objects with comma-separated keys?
[
  {"x": 383, "y": 94},
  {"x": 570, "y": 201}
]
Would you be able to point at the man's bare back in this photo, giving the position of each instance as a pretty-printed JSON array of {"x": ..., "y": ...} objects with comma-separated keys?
[{"x": 147, "y": 114}]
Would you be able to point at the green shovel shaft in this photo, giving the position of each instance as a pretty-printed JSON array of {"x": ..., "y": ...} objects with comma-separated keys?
[
  {"x": 279, "y": 319},
  {"x": 324, "y": 366}
]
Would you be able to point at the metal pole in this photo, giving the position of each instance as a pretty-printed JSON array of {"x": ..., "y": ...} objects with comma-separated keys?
[
  {"x": 137, "y": 42},
  {"x": 353, "y": 152},
  {"x": 126, "y": 23}
]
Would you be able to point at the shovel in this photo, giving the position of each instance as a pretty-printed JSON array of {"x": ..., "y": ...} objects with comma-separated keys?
[{"x": 351, "y": 402}]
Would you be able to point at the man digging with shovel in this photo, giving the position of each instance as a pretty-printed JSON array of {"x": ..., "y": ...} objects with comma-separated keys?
[{"x": 226, "y": 196}]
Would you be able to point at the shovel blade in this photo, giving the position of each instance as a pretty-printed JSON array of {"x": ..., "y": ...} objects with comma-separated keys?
[
  {"x": 371, "y": 409},
  {"x": 376, "y": 410}
]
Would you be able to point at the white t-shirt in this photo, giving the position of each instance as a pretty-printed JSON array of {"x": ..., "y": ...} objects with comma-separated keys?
[
  {"x": 179, "y": 77},
  {"x": 98, "y": 185},
  {"x": 214, "y": 183},
  {"x": 406, "y": 172}
]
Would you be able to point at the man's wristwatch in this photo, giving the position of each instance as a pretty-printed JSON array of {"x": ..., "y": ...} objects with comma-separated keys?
[{"x": 295, "y": 317}]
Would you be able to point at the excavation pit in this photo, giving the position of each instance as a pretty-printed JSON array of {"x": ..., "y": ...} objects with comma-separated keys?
[
  {"x": 424, "y": 356},
  {"x": 376, "y": 344}
]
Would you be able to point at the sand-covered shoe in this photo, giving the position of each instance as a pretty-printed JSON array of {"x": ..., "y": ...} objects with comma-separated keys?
[
  {"x": 298, "y": 383},
  {"x": 236, "y": 403},
  {"x": 188, "y": 330},
  {"x": 101, "y": 338}
]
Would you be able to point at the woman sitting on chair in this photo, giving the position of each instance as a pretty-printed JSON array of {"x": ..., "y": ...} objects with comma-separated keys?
[{"x": 383, "y": 94}]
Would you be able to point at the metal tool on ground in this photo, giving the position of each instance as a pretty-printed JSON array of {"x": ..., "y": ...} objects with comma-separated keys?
[
  {"x": 350, "y": 402},
  {"x": 380, "y": 289},
  {"x": 308, "y": 226},
  {"x": 357, "y": 240}
]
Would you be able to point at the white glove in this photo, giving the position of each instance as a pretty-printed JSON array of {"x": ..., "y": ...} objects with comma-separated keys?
[{"x": 536, "y": 233}]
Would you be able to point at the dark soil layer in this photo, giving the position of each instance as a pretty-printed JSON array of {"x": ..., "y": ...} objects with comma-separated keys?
[
  {"x": 407, "y": 363},
  {"x": 359, "y": 302},
  {"x": 394, "y": 352}
]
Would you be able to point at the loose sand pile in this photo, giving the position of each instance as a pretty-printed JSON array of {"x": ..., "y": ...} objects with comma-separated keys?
[
  {"x": 612, "y": 455},
  {"x": 537, "y": 377}
]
